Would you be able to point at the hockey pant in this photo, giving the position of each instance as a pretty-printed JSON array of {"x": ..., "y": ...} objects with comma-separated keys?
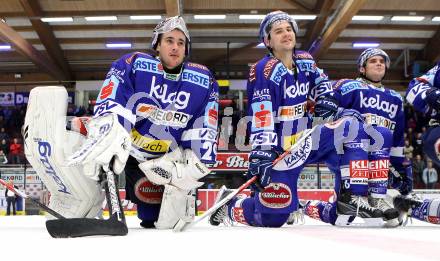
[{"x": 339, "y": 143}]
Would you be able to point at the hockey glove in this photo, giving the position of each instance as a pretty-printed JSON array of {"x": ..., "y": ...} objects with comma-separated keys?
[
  {"x": 260, "y": 164},
  {"x": 326, "y": 107},
  {"x": 348, "y": 113},
  {"x": 401, "y": 178},
  {"x": 433, "y": 98}
]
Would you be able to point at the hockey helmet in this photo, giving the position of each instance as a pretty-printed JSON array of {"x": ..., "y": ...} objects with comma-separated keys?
[
  {"x": 370, "y": 52},
  {"x": 273, "y": 17},
  {"x": 167, "y": 25}
]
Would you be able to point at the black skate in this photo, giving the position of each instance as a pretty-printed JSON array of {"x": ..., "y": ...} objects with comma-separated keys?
[
  {"x": 350, "y": 206},
  {"x": 390, "y": 214},
  {"x": 221, "y": 214},
  {"x": 406, "y": 204}
]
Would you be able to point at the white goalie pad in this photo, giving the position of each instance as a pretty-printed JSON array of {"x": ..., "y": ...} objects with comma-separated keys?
[
  {"x": 47, "y": 145},
  {"x": 179, "y": 168},
  {"x": 176, "y": 204}
]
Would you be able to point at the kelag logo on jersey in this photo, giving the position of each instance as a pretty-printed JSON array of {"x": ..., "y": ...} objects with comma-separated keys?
[
  {"x": 108, "y": 89},
  {"x": 195, "y": 78},
  {"x": 211, "y": 115},
  {"x": 378, "y": 104},
  {"x": 296, "y": 90},
  {"x": 262, "y": 118},
  {"x": 178, "y": 99}
]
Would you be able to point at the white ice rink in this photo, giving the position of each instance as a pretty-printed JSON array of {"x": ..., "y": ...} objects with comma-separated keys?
[{"x": 26, "y": 238}]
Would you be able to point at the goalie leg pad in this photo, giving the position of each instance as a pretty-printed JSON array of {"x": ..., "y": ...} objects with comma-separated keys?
[
  {"x": 176, "y": 204},
  {"x": 47, "y": 142}
]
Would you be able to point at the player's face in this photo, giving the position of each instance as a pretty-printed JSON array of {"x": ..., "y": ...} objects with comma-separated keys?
[
  {"x": 374, "y": 68},
  {"x": 282, "y": 37},
  {"x": 171, "y": 48}
]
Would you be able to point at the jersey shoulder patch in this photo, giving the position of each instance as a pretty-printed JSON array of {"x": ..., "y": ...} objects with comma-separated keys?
[
  {"x": 129, "y": 57},
  {"x": 269, "y": 66},
  {"x": 348, "y": 86},
  {"x": 198, "y": 66},
  {"x": 303, "y": 55}
]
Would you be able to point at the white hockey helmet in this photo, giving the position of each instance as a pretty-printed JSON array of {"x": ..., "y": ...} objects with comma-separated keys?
[
  {"x": 273, "y": 17},
  {"x": 370, "y": 52},
  {"x": 167, "y": 25}
]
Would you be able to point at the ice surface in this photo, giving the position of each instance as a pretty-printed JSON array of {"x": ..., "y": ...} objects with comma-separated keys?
[{"x": 26, "y": 238}]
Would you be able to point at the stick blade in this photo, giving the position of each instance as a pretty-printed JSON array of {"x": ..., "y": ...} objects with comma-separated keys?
[
  {"x": 82, "y": 227},
  {"x": 180, "y": 226}
]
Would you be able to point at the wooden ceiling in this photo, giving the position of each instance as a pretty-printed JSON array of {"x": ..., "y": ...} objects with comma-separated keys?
[{"x": 73, "y": 51}]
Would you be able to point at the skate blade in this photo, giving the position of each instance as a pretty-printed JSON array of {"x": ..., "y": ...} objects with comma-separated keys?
[
  {"x": 345, "y": 221},
  {"x": 395, "y": 222}
]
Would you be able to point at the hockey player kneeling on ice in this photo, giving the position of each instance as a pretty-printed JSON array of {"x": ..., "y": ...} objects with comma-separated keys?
[
  {"x": 278, "y": 89},
  {"x": 382, "y": 109},
  {"x": 159, "y": 115}
]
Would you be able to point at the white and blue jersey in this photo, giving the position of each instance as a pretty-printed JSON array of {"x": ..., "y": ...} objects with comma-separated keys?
[
  {"x": 380, "y": 106},
  {"x": 278, "y": 108},
  {"x": 161, "y": 110},
  {"x": 416, "y": 92},
  {"x": 278, "y": 99}
]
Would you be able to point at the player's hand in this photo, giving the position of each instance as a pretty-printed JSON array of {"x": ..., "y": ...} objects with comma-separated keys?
[
  {"x": 401, "y": 179},
  {"x": 326, "y": 107},
  {"x": 260, "y": 164}
]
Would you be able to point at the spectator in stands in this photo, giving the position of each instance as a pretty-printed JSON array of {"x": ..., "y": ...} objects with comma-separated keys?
[
  {"x": 411, "y": 136},
  {"x": 418, "y": 146},
  {"x": 3, "y": 158},
  {"x": 408, "y": 150},
  {"x": 4, "y": 146},
  {"x": 10, "y": 200},
  {"x": 15, "y": 151},
  {"x": 3, "y": 134},
  {"x": 418, "y": 167},
  {"x": 411, "y": 124},
  {"x": 429, "y": 176}
]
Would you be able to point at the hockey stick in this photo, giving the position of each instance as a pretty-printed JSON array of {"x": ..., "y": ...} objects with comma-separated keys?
[
  {"x": 182, "y": 225},
  {"x": 80, "y": 227},
  {"x": 36, "y": 202}
]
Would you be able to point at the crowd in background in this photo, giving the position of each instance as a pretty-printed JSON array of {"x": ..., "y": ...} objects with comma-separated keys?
[{"x": 232, "y": 132}]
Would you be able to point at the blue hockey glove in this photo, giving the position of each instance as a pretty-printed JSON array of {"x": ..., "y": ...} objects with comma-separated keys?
[
  {"x": 260, "y": 164},
  {"x": 401, "y": 178},
  {"x": 348, "y": 113},
  {"x": 433, "y": 98},
  {"x": 326, "y": 107}
]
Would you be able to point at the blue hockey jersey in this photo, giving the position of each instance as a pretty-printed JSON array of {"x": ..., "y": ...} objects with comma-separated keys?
[
  {"x": 278, "y": 99},
  {"x": 415, "y": 94},
  {"x": 380, "y": 107},
  {"x": 162, "y": 110}
]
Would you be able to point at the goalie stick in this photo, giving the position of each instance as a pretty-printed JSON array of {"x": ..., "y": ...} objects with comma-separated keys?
[
  {"x": 182, "y": 225},
  {"x": 36, "y": 202},
  {"x": 81, "y": 227}
]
